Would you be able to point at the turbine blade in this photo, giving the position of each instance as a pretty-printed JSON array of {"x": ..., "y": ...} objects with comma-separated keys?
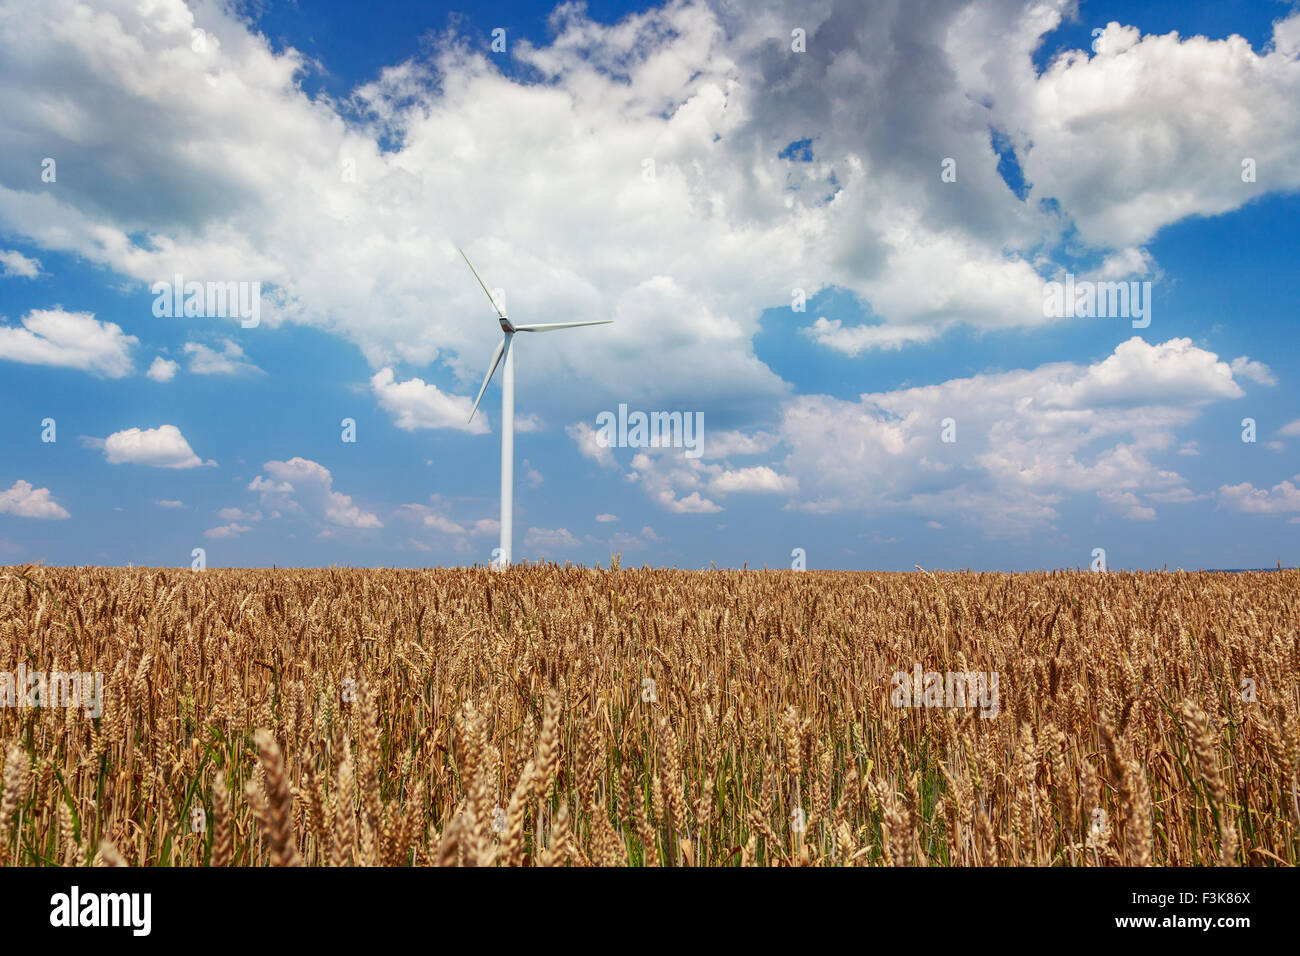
[
  {"x": 496, "y": 360},
  {"x": 482, "y": 283},
  {"x": 551, "y": 326}
]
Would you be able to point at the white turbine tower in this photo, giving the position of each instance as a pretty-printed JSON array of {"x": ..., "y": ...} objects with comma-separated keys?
[{"x": 508, "y": 401}]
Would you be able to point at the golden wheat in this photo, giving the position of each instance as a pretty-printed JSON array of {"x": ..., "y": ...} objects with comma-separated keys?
[{"x": 556, "y": 716}]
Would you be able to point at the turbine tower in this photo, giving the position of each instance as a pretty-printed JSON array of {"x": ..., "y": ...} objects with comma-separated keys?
[{"x": 504, "y": 347}]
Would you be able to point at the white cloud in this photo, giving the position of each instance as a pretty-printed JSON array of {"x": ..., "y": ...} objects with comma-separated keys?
[
  {"x": 162, "y": 370},
  {"x": 692, "y": 504},
  {"x": 1175, "y": 372},
  {"x": 445, "y": 525},
  {"x": 169, "y": 503},
  {"x": 1126, "y": 263},
  {"x": 68, "y": 340},
  {"x": 302, "y": 486},
  {"x": 1282, "y": 498},
  {"x": 208, "y": 361},
  {"x": 435, "y": 516},
  {"x": 414, "y": 404},
  {"x": 231, "y": 530},
  {"x": 1024, "y": 439},
  {"x": 1127, "y": 504},
  {"x": 758, "y": 478},
  {"x": 238, "y": 514},
  {"x": 1290, "y": 429},
  {"x": 17, "y": 264},
  {"x": 240, "y": 177},
  {"x": 589, "y": 446},
  {"x": 265, "y": 486},
  {"x": 532, "y": 477},
  {"x": 1115, "y": 139},
  {"x": 24, "y": 501},
  {"x": 606, "y": 518},
  {"x": 1253, "y": 371},
  {"x": 856, "y": 339},
  {"x": 677, "y": 482},
  {"x": 161, "y": 447},
  {"x": 726, "y": 443}
]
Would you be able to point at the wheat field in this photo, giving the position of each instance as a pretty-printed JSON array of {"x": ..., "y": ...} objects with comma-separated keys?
[{"x": 553, "y": 716}]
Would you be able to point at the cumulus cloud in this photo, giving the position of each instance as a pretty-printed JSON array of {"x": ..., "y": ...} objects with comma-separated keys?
[
  {"x": 726, "y": 443},
  {"x": 758, "y": 478},
  {"x": 208, "y": 361},
  {"x": 415, "y": 404},
  {"x": 16, "y": 264},
  {"x": 231, "y": 530},
  {"x": 162, "y": 370},
  {"x": 1127, "y": 263},
  {"x": 606, "y": 518},
  {"x": 678, "y": 483},
  {"x": 445, "y": 525},
  {"x": 589, "y": 445},
  {"x": 305, "y": 487},
  {"x": 1124, "y": 109},
  {"x": 68, "y": 340},
  {"x": 692, "y": 504},
  {"x": 852, "y": 340},
  {"x": 1126, "y": 504},
  {"x": 240, "y": 177},
  {"x": 161, "y": 447},
  {"x": 24, "y": 501},
  {"x": 442, "y": 526},
  {"x": 1253, "y": 371},
  {"x": 1175, "y": 372},
  {"x": 1024, "y": 439},
  {"x": 1282, "y": 498},
  {"x": 434, "y": 516}
]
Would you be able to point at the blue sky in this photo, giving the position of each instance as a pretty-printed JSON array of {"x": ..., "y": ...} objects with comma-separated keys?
[{"x": 339, "y": 159}]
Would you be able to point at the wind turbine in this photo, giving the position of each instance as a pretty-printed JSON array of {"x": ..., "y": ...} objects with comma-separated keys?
[{"x": 508, "y": 401}]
